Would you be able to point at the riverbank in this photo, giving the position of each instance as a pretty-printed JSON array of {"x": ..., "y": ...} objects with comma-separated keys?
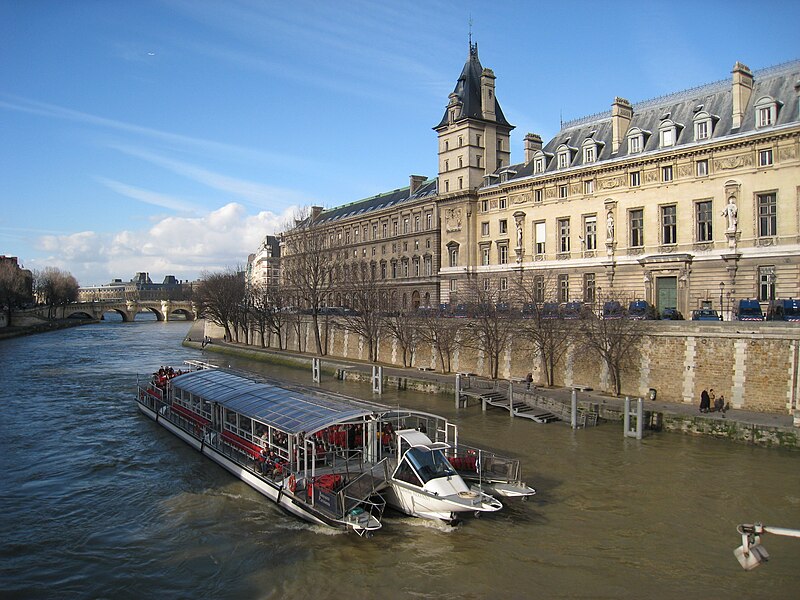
[
  {"x": 12, "y": 332},
  {"x": 748, "y": 427}
]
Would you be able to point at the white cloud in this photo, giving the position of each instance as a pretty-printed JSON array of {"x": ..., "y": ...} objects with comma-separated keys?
[{"x": 180, "y": 246}]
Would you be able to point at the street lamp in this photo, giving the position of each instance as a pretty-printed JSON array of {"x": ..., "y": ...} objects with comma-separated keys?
[{"x": 721, "y": 289}]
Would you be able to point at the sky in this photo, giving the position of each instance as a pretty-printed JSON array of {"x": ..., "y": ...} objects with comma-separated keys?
[{"x": 171, "y": 136}]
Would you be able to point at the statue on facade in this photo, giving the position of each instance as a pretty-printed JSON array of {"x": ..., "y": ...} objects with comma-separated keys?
[
  {"x": 610, "y": 226},
  {"x": 519, "y": 234},
  {"x": 731, "y": 213}
]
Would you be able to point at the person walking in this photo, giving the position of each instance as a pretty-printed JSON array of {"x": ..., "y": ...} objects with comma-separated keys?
[{"x": 705, "y": 401}]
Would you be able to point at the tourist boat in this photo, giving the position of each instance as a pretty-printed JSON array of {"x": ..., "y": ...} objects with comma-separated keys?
[
  {"x": 324, "y": 457},
  {"x": 264, "y": 434}
]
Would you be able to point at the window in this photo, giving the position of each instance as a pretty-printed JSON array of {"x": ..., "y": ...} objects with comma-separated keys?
[
  {"x": 537, "y": 195},
  {"x": 701, "y": 130},
  {"x": 428, "y": 221},
  {"x": 416, "y": 223},
  {"x": 454, "y": 257},
  {"x": 588, "y": 288},
  {"x": 446, "y": 185},
  {"x": 503, "y": 226},
  {"x": 538, "y": 288},
  {"x": 485, "y": 256},
  {"x": 666, "y": 173},
  {"x": 503, "y": 203},
  {"x": 563, "y": 235},
  {"x": 588, "y": 186},
  {"x": 346, "y": 237},
  {"x": 667, "y": 133},
  {"x": 485, "y": 228},
  {"x": 636, "y": 179},
  {"x": 395, "y": 227},
  {"x": 446, "y": 166},
  {"x": 590, "y": 232},
  {"x": 428, "y": 242},
  {"x": 405, "y": 267},
  {"x": 486, "y": 284},
  {"x": 405, "y": 225},
  {"x": 538, "y": 166},
  {"x": 461, "y": 183},
  {"x": 460, "y": 162},
  {"x": 563, "y": 191},
  {"x": 767, "y": 214},
  {"x": 428, "y": 266},
  {"x": 374, "y": 231},
  {"x": 394, "y": 270},
  {"x": 453, "y": 285},
  {"x": 766, "y": 283},
  {"x": 503, "y": 254},
  {"x": 484, "y": 205},
  {"x": 764, "y": 117},
  {"x": 503, "y": 284},
  {"x": 669, "y": 224},
  {"x": 702, "y": 167},
  {"x": 416, "y": 267},
  {"x": 460, "y": 141},
  {"x": 446, "y": 145},
  {"x": 478, "y": 139},
  {"x": 540, "y": 235},
  {"x": 766, "y": 112},
  {"x": 589, "y": 154},
  {"x": 563, "y": 160},
  {"x": 383, "y": 270},
  {"x": 765, "y": 157},
  {"x": 356, "y": 235},
  {"x": 478, "y": 161},
  {"x": 636, "y": 218},
  {"x": 405, "y": 246},
  {"x": 704, "y": 221},
  {"x": 635, "y": 144},
  {"x": 394, "y": 248},
  {"x": 385, "y": 230},
  {"x": 563, "y": 288}
]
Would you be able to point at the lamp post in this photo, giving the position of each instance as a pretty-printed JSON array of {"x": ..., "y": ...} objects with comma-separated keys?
[
  {"x": 721, "y": 289},
  {"x": 771, "y": 287}
]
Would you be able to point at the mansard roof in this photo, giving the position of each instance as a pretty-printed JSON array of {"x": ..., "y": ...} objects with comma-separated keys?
[
  {"x": 468, "y": 90},
  {"x": 378, "y": 202},
  {"x": 716, "y": 99}
]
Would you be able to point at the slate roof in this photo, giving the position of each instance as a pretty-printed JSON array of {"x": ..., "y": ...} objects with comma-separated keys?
[
  {"x": 715, "y": 99},
  {"x": 468, "y": 90},
  {"x": 385, "y": 200}
]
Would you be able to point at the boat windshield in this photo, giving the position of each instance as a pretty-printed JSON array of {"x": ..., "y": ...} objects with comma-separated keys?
[{"x": 430, "y": 464}]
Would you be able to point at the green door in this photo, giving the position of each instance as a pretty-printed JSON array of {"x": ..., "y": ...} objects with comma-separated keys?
[{"x": 666, "y": 293}]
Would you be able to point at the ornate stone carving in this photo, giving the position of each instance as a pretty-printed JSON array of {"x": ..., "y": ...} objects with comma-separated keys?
[
  {"x": 612, "y": 182},
  {"x": 589, "y": 254},
  {"x": 685, "y": 171},
  {"x": 733, "y": 162},
  {"x": 562, "y": 256},
  {"x": 651, "y": 176},
  {"x": 493, "y": 203},
  {"x": 703, "y": 246},
  {"x": 453, "y": 219},
  {"x": 550, "y": 193},
  {"x": 766, "y": 241},
  {"x": 635, "y": 251},
  {"x": 575, "y": 189},
  {"x": 539, "y": 257},
  {"x": 666, "y": 249},
  {"x": 520, "y": 198},
  {"x": 787, "y": 153}
]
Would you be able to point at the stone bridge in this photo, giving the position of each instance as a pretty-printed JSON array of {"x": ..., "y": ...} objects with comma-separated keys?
[{"x": 165, "y": 310}]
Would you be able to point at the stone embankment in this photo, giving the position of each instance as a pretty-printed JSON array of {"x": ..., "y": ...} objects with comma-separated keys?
[
  {"x": 758, "y": 428},
  {"x": 11, "y": 332}
]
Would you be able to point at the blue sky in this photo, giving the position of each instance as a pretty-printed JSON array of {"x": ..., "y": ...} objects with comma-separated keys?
[{"x": 171, "y": 136}]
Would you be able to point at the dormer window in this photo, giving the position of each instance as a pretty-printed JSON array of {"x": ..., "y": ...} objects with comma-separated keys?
[
  {"x": 589, "y": 154},
  {"x": 668, "y": 133},
  {"x": 636, "y": 140},
  {"x": 564, "y": 155},
  {"x": 539, "y": 162},
  {"x": 766, "y": 111}
]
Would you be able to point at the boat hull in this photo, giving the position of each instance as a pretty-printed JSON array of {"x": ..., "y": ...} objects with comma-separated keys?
[
  {"x": 419, "y": 503},
  {"x": 276, "y": 492}
]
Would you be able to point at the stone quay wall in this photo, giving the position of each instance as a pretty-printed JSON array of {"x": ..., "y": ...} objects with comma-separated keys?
[{"x": 754, "y": 365}]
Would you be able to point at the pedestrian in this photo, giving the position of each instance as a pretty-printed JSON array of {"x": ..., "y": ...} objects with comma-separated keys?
[
  {"x": 529, "y": 380},
  {"x": 705, "y": 401},
  {"x": 711, "y": 398}
]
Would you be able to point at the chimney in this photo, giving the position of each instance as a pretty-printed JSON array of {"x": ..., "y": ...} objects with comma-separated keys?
[
  {"x": 487, "y": 94},
  {"x": 414, "y": 181},
  {"x": 740, "y": 91},
  {"x": 621, "y": 114},
  {"x": 315, "y": 212},
  {"x": 533, "y": 143}
]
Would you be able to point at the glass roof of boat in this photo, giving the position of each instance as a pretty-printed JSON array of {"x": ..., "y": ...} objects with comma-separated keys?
[{"x": 289, "y": 410}]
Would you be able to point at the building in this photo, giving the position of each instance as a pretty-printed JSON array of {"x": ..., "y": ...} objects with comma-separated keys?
[
  {"x": 263, "y": 267},
  {"x": 141, "y": 287},
  {"x": 684, "y": 199}
]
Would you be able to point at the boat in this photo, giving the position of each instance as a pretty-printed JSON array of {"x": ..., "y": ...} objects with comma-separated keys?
[
  {"x": 263, "y": 434},
  {"x": 328, "y": 458}
]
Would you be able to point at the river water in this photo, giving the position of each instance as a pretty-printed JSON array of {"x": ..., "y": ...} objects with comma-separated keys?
[{"x": 97, "y": 501}]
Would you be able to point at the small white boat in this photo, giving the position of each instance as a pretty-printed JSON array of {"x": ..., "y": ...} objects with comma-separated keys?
[{"x": 425, "y": 484}]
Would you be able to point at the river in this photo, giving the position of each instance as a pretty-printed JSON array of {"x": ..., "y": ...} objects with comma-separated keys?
[{"x": 98, "y": 501}]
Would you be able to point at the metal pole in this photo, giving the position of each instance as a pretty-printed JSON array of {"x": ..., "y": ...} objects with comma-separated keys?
[
  {"x": 377, "y": 379},
  {"x": 511, "y": 399},
  {"x": 315, "y": 369},
  {"x": 458, "y": 389},
  {"x": 627, "y": 417},
  {"x": 574, "y": 411},
  {"x": 639, "y": 418}
]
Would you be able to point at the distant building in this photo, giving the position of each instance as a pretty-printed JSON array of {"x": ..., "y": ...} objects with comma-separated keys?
[
  {"x": 263, "y": 267},
  {"x": 12, "y": 263},
  {"x": 141, "y": 287}
]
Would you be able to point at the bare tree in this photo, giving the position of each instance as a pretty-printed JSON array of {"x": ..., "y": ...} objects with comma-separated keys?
[
  {"x": 220, "y": 296},
  {"x": 403, "y": 327},
  {"x": 492, "y": 324},
  {"x": 548, "y": 335},
  {"x": 14, "y": 287},
  {"x": 270, "y": 314},
  {"x": 364, "y": 318},
  {"x": 307, "y": 267},
  {"x": 614, "y": 341},
  {"x": 55, "y": 287},
  {"x": 443, "y": 333}
]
